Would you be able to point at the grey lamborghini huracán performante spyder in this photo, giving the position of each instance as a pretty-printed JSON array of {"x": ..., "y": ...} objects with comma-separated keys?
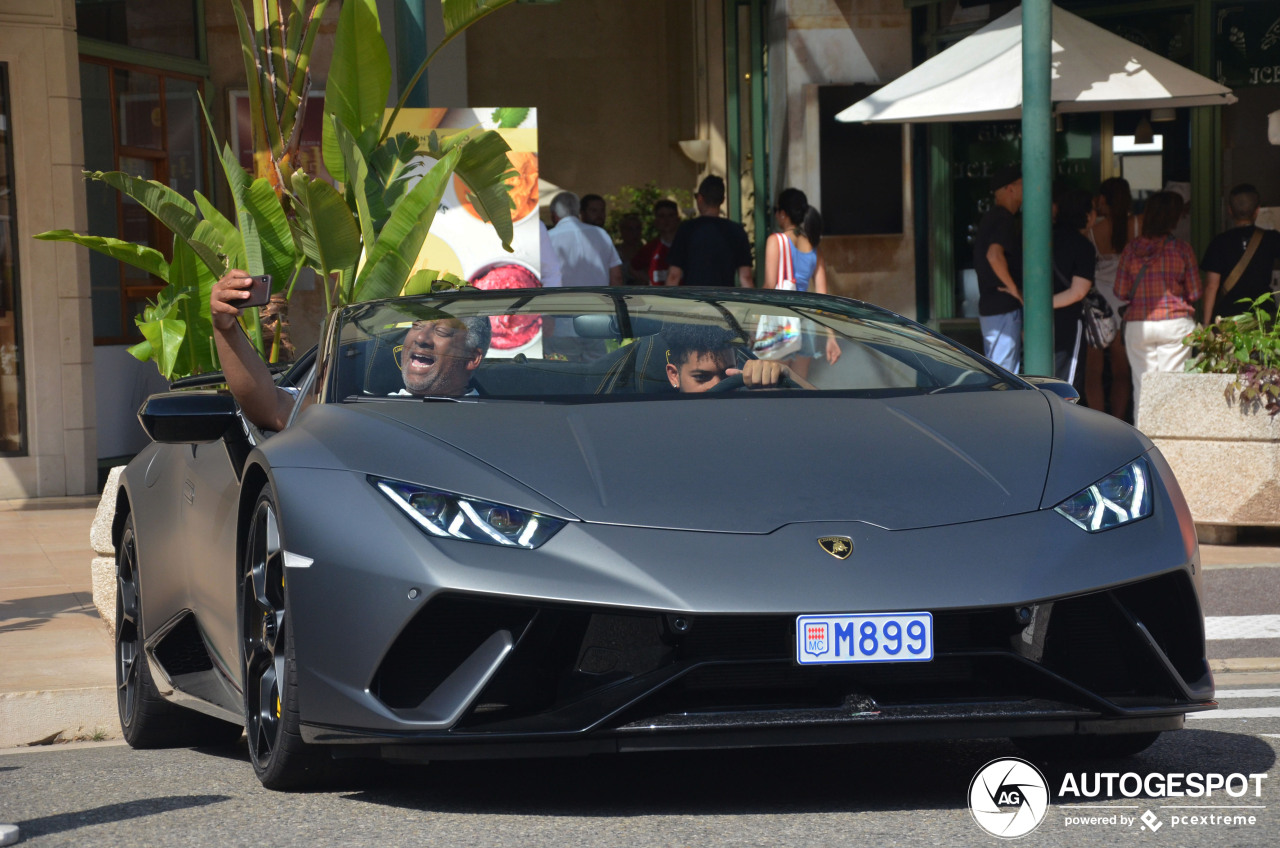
[{"x": 631, "y": 532}]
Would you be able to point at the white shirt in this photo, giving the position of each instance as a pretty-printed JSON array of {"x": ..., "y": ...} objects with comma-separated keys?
[
  {"x": 585, "y": 251},
  {"x": 547, "y": 258}
]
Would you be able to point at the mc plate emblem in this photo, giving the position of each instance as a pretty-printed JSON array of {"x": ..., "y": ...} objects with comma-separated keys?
[{"x": 838, "y": 546}]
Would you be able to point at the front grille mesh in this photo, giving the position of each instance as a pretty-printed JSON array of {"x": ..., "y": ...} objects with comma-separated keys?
[{"x": 573, "y": 666}]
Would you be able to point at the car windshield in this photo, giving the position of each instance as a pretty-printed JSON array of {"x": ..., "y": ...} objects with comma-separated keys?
[{"x": 585, "y": 345}]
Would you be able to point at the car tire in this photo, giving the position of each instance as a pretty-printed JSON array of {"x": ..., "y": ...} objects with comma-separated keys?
[
  {"x": 147, "y": 720},
  {"x": 1108, "y": 747},
  {"x": 279, "y": 756}
]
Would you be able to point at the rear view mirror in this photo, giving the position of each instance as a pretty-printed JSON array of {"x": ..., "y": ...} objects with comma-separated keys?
[{"x": 188, "y": 418}]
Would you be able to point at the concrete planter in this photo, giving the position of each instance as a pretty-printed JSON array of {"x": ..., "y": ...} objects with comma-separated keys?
[
  {"x": 103, "y": 565},
  {"x": 1226, "y": 455}
]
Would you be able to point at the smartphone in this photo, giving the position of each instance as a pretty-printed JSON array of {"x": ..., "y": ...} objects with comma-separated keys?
[{"x": 259, "y": 292}]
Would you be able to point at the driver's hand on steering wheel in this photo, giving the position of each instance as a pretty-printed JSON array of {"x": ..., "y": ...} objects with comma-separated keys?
[{"x": 760, "y": 373}]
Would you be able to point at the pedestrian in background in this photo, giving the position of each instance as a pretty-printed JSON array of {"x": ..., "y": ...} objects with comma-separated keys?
[
  {"x": 1159, "y": 277},
  {"x": 1239, "y": 263},
  {"x": 630, "y": 245},
  {"x": 1074, "y": 264},
  {"x": 651, "y": 262},
  {"x": 997, "y": 260},
  {"x": 799, "y": 232},
  {"x": 710, "y": 250},
  {"x": 1113, "y": 228},
  {"x": 586, "y": 253},
  {"x": 591, "y": 210}
]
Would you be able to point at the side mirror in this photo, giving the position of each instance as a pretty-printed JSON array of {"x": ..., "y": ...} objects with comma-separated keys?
[
  {"x": 188, "y": 418},
  {"x": 1054, "y": 386}
]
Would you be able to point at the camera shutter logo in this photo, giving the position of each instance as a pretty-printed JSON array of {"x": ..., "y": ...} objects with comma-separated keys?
[{"x": 1008, "y": 798}]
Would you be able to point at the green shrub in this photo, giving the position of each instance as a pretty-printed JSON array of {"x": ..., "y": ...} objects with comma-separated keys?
[
  {"x": 1247, "y": 345},
  {"x": 639, "y": 200}
]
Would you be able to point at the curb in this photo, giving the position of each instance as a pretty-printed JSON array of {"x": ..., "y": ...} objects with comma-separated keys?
[
  {"x": 1245, "y": 664},
  {"x": 42, "y": 718}
]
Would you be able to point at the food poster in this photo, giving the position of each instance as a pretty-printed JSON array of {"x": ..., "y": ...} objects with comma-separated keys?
[{"x": 466, "y": 246}]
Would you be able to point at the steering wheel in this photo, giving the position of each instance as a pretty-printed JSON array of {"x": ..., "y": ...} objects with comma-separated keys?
[
  {"x": 735, "y": 382},
  {"x": 728, "y": 384}
]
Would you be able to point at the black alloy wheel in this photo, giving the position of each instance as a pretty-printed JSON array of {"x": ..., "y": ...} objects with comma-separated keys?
[
  {"x": 280, "y": 757},
  {"x": 129, "y": 659},
  {"x": 146, "y": 719}
]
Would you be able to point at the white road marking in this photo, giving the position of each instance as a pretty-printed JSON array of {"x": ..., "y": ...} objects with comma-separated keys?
[
  {"x": 1242, "y": 627},
  {"x": 1247, "y": 693},
  {"x": 1251, "y": 712}
]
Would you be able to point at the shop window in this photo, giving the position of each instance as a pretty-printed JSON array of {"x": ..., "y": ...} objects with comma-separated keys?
[
  {"x": 149, "y": 126},
  {"x": 163, "y": 26},
  {"x": 862, "y": 175},
  {"x": 12, "y": 414}
]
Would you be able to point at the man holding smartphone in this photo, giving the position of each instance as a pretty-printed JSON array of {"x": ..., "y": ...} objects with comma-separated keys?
[{"x": 437, "y": 360}]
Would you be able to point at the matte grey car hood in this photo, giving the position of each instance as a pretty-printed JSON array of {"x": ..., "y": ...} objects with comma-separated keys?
[{"x": 753, "y": 464}]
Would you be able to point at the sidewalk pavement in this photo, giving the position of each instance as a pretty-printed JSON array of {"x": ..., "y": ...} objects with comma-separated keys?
[{"x": 57, "y": 673}]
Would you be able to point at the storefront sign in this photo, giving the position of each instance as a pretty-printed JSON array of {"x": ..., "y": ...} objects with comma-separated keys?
[{"x": 1247, "y": 45}]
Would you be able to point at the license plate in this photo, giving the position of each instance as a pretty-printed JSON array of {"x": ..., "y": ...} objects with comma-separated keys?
[{"x": 869, "y": 637}]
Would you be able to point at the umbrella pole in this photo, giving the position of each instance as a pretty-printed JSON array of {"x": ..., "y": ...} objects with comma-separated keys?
[{"x": 1037, "y": 187}]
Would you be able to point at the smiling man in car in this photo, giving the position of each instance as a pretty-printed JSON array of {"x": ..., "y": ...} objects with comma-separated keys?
[{"x": 437, "y": 360}]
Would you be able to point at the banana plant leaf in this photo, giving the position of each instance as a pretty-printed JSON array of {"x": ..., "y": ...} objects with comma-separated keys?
[
  {"x": 138, "y": 255},
  {"x": 358, "y": 173},
  {"x": 387, "y": 276},
  {"x": 191, "y": 277},
  {"x": 162, "y": 331},
  {"x": 427, "y": 281},
  {"x": 170, "y": 208},
  {"x": 325, "y": 229},
  {"x": 274, "y": 240},
  {"x": 358, "y": 83},
  {"x": 416, "y": 210},
  {"x": 266, "y": 133},
  {"x": 228, "y": 236},
  {"x": 484, "y": 167}
]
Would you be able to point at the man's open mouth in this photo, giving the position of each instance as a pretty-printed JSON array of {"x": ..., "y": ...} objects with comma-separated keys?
[{"x": 421, "y": 361}]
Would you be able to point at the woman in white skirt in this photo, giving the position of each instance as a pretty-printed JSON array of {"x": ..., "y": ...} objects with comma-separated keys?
[{"x": 1160, "y": 278}]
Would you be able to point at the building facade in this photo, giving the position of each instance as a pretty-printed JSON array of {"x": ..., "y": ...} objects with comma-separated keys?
[
  {"x": 663, "y": 91},
  {"x": 47, "y": 427}
]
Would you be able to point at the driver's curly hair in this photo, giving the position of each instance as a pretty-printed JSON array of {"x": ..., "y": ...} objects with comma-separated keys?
[{"x": 685, "y": 340}]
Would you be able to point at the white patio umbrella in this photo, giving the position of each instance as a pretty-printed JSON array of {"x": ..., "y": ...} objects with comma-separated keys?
[{"x": 980, "y": 77}]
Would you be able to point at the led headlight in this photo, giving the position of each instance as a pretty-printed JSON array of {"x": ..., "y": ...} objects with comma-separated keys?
[
  {"x": 451, "y": 516},
  {"x": 1122, "y": 496}
]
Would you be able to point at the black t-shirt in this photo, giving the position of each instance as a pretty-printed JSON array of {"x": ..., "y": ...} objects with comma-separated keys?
[
  {"x": 710, "y": 251},
  {"x": 1221, "y": 257},
  {"x": 998, "y": 226},
  {"x": 1073, "y": 256}
]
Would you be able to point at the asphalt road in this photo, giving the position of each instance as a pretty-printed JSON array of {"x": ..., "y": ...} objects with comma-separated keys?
[
  {"x": 873, "y": 795},
  {"x": 878, "y": 795}
]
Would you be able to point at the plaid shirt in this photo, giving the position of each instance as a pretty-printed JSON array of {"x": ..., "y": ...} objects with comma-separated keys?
[{"x": 1170, "y": 284}]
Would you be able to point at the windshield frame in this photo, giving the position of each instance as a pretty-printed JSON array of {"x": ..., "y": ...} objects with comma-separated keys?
[{"x": 810, "y": 305}]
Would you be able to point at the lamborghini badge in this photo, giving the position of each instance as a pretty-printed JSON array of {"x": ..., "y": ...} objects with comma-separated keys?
[{"x": 838, "y": 546}]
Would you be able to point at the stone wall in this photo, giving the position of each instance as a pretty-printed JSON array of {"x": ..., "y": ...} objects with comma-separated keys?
[
  {"x": 830, "y": 42},
  {"x": 1225, "y": 455},
  {"x": 38, "y": 48}
]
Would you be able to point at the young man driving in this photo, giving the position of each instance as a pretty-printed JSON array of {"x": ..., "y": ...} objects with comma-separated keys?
[{"x": 700, "y": 356}]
